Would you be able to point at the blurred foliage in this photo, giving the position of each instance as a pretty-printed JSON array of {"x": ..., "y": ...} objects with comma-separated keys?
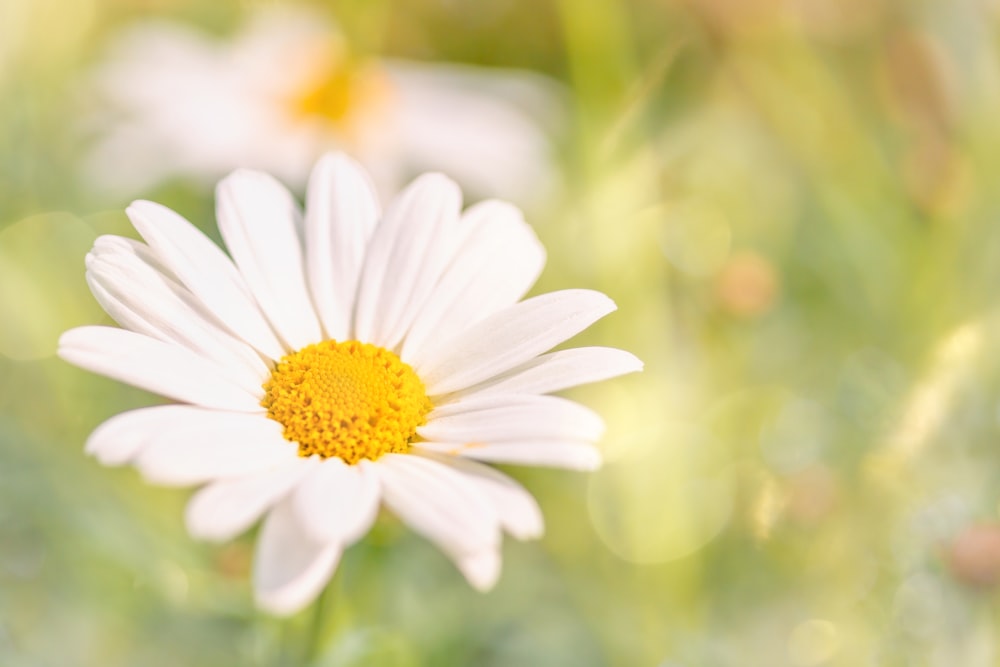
[{"x": 794, "y": 203}]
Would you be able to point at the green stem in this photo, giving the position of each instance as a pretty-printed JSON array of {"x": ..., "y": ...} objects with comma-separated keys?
[
  {"x": 314, "y": 638},
  {"x": 282, "y": 642}
]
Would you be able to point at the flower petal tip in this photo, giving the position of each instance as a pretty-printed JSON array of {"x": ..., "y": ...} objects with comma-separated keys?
[
  {"x": 534, "y": 533},
  {"x": 636, "y": 364},
  {"x": 69, "y": 341},
  {"x": 103, "y": 456},
  {"x": 592, "y": 462},
  {"x": 141, "y": 208},
  {"x": 276, "y": 604},
  {"x": 334, "y": 161},
  {"x": 481, "y": 570}
]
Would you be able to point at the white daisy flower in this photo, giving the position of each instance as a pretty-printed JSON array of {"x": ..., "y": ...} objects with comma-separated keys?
[
  {"x": 342, "y": 360},
  {"x": 286, "y": 89}
]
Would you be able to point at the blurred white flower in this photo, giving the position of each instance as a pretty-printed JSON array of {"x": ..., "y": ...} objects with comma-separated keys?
[
  {"x": 341, "y": 360},
  {"x": 286, "y": 89}
]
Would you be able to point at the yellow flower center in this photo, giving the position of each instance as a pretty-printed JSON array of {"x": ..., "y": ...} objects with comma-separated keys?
[
  {"x": 350, "y": 399},
  {"x": 349, "y": 93}
]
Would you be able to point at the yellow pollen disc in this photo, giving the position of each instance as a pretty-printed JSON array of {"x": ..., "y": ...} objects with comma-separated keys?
[
  {"x": 350, "y": 399},
  {"x": 347, "y": 92}
]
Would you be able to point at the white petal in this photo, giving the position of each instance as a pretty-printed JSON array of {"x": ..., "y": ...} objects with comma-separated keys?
[
  {"x": 544, "y": 453},
  {"x": 205, "y": 270},
  {"x": 509, "y": 338},
  {"x": 119, "y": 439},
  {"x": 556, "y": 371},
  {"x": 341, "y": 213},
  {"x": 481, "y": 569},
  {"x": 259, "y": 220},
  {"x": 209, "y": 444},
  {"x": 162, "y": 368},
  {"x": 290, "y": 569},
  {"x": 499, "y": 418},
  {"x": 141, "y": 298},
  {"x": 338, "y": 502},
  {"x": 224, "y": 509},
  {"x": 497, "y": 263},
  {"x": 485, "y": 126},
  {"x": 518, "y": 511},
  {"x": 110, "y": 244},
  {"x": 438, "y": 502},
  {"x": 408, "y": 252}
]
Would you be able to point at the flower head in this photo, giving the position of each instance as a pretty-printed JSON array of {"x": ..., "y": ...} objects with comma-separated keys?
[
  {"x": 286, "y": 88},
  {"x": 342, "y": 360}
]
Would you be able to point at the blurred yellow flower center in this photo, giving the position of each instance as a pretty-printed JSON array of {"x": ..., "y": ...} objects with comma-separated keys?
[
  {"x": 349, "y": 93},
  {"x": 351, "y": 400}
]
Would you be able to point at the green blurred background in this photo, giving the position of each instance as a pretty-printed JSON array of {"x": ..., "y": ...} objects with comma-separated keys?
[{"x": 795, "y": 205}]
